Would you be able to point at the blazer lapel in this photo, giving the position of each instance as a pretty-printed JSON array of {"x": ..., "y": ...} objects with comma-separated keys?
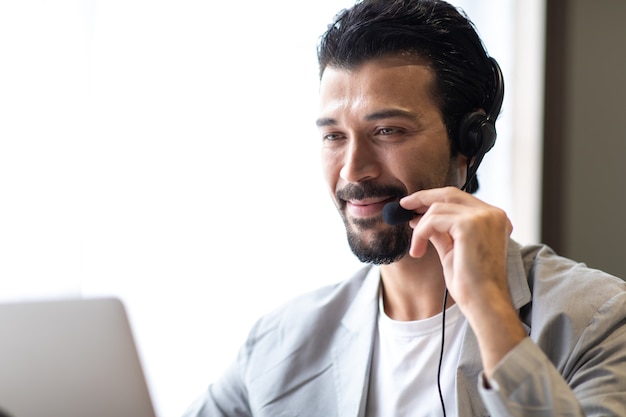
[
  {"x": 468, "y": 399},
  {"x": 353, "y": 350}
]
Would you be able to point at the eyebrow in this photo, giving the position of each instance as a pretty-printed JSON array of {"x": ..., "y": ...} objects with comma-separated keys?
[
  {"x": 325, "y": 121},
  {"x": 377, "y": 115},
  {"x": 389, "y": 113}
]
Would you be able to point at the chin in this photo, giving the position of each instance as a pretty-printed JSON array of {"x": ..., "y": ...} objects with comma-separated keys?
[{"x": 381, "y": 247}]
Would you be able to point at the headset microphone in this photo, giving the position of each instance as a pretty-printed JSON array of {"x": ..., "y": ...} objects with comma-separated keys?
[{"x": 394, "y": 214}]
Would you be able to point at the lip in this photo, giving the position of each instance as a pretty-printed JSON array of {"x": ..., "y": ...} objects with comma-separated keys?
[{"x": 366, "y": 208}]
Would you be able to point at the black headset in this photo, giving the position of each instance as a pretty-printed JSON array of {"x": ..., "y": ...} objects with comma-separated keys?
[{"x": 477, "y": 131}]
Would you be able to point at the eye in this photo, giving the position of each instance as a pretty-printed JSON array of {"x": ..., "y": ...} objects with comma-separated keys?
[
  {"x": 388, "y": 131},
  {"x": 332, "y": 136}
]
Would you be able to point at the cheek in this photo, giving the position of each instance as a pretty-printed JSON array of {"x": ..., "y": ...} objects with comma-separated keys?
[
  {"x": 409, "y": 162},
  {"x": 330, "y": 168},
  {"x": 422, "y": 168}
]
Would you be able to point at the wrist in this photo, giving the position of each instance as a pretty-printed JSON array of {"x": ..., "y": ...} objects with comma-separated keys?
[{"x": 498, "y": 330}]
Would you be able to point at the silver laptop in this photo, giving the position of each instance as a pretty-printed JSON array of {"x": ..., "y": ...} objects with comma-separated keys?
[{"x": 70, "y": 358}]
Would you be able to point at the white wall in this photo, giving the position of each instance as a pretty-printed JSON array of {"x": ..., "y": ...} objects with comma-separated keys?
[{"x": 165, "y": 153}]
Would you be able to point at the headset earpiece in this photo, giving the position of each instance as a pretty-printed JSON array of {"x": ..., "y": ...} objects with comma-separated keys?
[
  {"x": 477, "y": 130},
  {"x": 477, "y": 134}
]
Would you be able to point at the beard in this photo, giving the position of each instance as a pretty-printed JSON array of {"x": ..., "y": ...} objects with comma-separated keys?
[
  {"x": 385, "y": 247},
  {"x": 385, "y": 244}
]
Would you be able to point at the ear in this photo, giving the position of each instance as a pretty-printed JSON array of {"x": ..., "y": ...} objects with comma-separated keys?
[{"x": 460, "y": 162}]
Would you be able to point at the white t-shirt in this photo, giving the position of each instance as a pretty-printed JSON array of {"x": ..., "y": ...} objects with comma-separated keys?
[{"x": 403, "y": 380}]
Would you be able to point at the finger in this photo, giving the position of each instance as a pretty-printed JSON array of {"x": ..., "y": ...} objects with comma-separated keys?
[
  {"x": 436, "y": 227},
  {"x": 442, "y": 242},
  {"x": 421, "y": 200}
]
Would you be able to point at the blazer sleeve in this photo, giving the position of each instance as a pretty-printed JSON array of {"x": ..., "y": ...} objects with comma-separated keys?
[
  {"x": 224, "y": 398},
  {"x": 227, "y": 397},
  {"x": 526, "y": 382}
]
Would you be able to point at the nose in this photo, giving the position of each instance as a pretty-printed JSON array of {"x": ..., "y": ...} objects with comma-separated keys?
[{"x": 360, "y": 161}]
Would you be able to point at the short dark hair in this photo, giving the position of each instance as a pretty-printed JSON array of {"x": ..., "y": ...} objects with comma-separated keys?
[{"x": 432, "y": 29}]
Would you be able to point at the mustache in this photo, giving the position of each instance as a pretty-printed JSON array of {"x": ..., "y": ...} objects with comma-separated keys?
[{"x": 369, "y": 190}]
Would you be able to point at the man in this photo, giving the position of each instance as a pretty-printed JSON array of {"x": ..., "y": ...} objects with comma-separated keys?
[{"x": 452, "y": 317}]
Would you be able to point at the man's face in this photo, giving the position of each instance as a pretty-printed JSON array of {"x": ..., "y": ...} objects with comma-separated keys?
[{"x": 383, "y": 137}]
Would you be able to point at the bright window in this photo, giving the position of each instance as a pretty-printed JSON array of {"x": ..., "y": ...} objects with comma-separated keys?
[{"x": 165, "y": 152}]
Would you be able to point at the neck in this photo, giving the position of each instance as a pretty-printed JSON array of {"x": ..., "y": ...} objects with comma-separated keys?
[{"x": 413, "y": 289}]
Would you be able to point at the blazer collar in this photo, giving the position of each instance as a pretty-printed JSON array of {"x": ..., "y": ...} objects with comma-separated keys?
[{"x": 353, "y": 351}]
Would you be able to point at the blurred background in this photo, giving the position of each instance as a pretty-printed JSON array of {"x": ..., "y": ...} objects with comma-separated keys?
[{"x": 165, "y": 152}]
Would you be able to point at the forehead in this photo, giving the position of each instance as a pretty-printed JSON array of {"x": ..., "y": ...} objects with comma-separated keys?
[{"x": 391, "y": 81}]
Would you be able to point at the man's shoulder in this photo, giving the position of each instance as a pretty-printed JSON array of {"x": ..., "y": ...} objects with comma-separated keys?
[
  {"x": 548, "y": 271},
  {"x": 570, "y": 299},
  {"x": 329, "y": 301},
  {"x": 287, "y": 334}
]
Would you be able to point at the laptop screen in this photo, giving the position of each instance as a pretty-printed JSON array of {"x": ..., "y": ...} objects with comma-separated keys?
[{"x": 70, "y": 358}]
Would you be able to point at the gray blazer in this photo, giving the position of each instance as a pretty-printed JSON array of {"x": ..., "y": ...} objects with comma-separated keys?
[{"x": 311, "y": 357}]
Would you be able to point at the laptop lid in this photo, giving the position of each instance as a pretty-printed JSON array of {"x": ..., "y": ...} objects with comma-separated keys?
[{"x": 70, "y": 358}]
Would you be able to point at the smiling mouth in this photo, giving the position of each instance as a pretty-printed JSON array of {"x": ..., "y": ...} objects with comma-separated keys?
[
  {"x": 366, "y": 208},
  {"x": 366, "y": 201}
]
